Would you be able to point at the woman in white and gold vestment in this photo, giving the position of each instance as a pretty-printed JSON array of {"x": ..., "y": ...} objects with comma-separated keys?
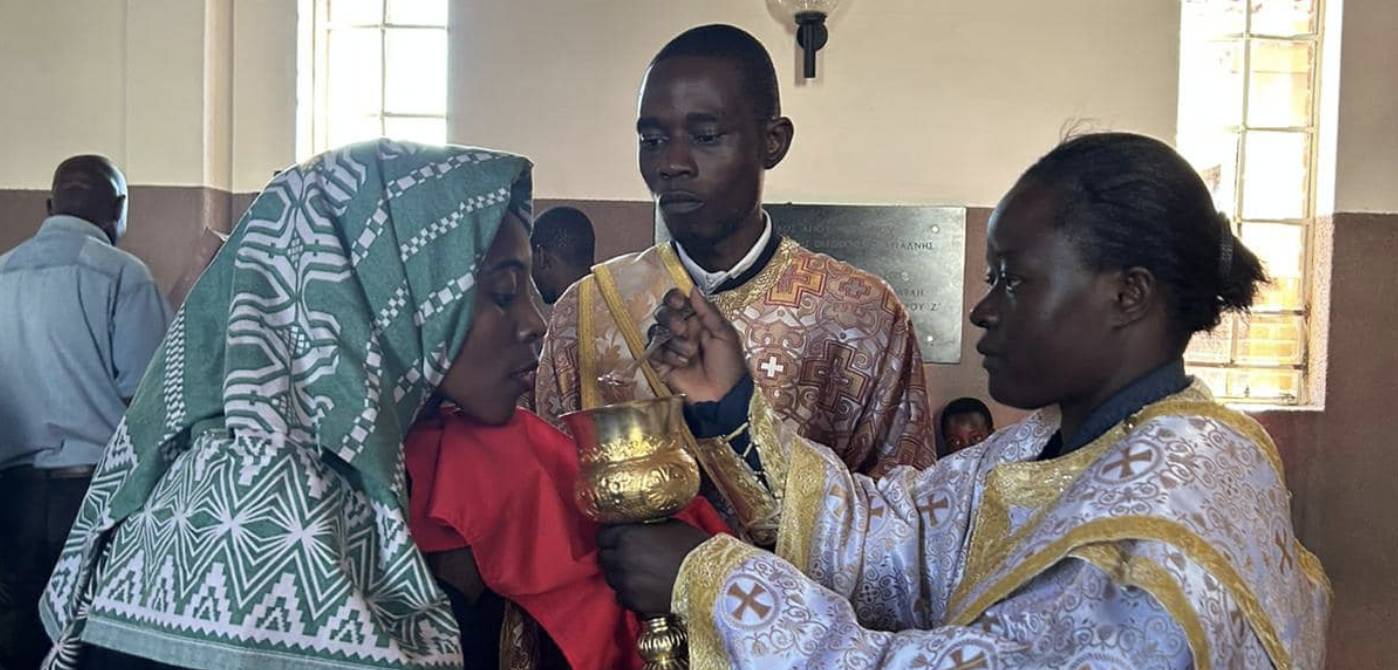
[{"x": 1130, "y": 522}]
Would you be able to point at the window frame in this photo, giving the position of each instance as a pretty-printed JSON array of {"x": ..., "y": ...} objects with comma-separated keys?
[
  {"x": 316, "y": 119},
  {"x": 1312, "y": 131}
]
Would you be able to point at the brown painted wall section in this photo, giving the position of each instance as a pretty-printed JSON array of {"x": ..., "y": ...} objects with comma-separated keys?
[
  {"x": 1340, "y": 460},
  {"x": 163, "y": 222}
]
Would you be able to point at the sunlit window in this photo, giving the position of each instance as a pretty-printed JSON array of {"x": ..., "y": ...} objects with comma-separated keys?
[
  {"x": 1247, "y": 121},
  {"x": 377, "y": 68}
]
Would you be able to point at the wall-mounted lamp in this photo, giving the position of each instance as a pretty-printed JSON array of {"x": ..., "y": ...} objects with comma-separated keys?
[{"x": 810, "y": 26}]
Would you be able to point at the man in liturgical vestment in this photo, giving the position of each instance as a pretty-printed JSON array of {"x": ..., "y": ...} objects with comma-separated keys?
[{"x": 829, "y": 345}]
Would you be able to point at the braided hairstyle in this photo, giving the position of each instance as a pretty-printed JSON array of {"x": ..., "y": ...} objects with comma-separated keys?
[{"x": 1132, "y": 201}]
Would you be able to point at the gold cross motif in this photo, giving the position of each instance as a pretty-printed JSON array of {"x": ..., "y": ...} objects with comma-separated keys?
[
  {"x": 962, "y": 663},
  {"x": 794, "y": 286},
  {"x": 748, "y": 600},
  {"x": 841, "y": 501},
  {"x": 933, "y": 504},
  {"x": 858, "y": 288},
  {"x": 837, "y": 374},
  {"x": 1126, "y": 464},
  {"x": 1286, "y": 561}
]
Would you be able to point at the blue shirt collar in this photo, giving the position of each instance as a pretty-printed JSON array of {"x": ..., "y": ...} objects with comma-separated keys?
[
  {"x": 1155, "y": 386},
  {"x": 73, "y": 224}
]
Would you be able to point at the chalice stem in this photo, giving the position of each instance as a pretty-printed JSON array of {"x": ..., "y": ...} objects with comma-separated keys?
[
  {"x": 662, "y": 644},
  {"x": 634, "y": 469}
]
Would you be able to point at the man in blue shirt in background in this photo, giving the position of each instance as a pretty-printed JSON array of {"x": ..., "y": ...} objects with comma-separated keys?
[{"x": 79, "y": 322}]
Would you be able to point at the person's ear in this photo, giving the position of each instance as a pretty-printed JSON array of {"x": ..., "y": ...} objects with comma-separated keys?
[
  {"x": 778, "y": 136},
  {"x": 1136, "y": 293},
  {"x": 118, "y": 208}
]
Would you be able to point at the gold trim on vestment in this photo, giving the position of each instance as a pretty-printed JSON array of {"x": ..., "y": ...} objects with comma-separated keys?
[
  {"x": 1241, "y": 423},
  {"x": 732, "y": 302},
  {"x": 630, "y": 332},
  {"x": 589, "y": 395},
  {"x": 1250, "y": 429},
  {"x": 991, "y": 541},
  {"x": 763, "y": 435},
  {"x": 675, "y": 268},
  {"x": 755, "y": 506},
  {"x": 1253, "y": 431},
  {"x": 770, "y": 449},
  {"x": 1145, "y": 574},
  {"x": 1310, "y": 566},
  {"x": 801, "y": 506},
  {"x": 1139, "y": 528},
  {"x": 695, "y": 598},
  {"x": 1034, "y": 484},
  {"x": 758, "y": 511},
  {"x": 758, "y": 505},
  {"x": 1038, "y": 484}
]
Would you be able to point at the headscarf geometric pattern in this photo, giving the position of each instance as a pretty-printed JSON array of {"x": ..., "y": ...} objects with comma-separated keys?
[{"x": 250, "y": 510}]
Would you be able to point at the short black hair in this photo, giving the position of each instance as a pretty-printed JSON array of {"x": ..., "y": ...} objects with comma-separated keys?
[
  {"x": 88, "y": 187},
  {"x": 80, "y": 178},
  {"x": 738, "y": 47},
  {"x": 967, "y": 406},
  {"x": 1128, "y": 201},
  {"x": 567, "y": 232}
]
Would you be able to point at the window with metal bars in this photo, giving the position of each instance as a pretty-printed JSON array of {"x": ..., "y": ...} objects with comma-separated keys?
[
  {"x": 1249, "y": 83},
  {"x": 378, "y": 68}
]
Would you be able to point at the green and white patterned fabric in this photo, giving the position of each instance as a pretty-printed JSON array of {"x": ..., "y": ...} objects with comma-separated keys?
[{"x": 251, "y": 510}]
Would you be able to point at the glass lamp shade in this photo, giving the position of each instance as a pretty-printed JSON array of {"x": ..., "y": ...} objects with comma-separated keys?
[{"x": 795, "y": 7}]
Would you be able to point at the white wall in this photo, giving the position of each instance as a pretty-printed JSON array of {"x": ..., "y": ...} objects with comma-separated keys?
[
  {"x": 218, "y": 94},
  {"x": 264, "y": 91},
  {"x": 177, "y": 92},
  {"x": 917, "y": 100},
  {"x": 117, "y": 77},
  {"x": 165, "y": 110},
  {"x": 63, "y": 84}
]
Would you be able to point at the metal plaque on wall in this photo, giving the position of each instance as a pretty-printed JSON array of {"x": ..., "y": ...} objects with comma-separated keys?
[{"x": 919, "y": 251}]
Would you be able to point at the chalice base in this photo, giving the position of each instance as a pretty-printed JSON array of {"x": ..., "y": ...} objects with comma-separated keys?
[{"x": 662, "y": 644}]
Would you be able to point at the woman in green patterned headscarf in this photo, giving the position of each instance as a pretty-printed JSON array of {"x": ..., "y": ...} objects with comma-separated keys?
[{"x": 251, "y": 509}]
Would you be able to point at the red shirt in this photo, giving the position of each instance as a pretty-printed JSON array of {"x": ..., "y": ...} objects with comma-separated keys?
[{"x": 507, "y": 493}]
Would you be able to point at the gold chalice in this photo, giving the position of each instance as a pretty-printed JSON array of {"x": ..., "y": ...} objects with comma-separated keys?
[{"x": 634, "y": 469}]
